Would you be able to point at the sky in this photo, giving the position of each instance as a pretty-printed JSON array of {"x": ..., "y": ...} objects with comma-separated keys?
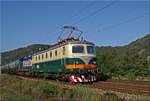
[{"x": 106, "y": 23}]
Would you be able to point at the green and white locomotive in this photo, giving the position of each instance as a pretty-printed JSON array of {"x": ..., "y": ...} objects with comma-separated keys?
[{"x": 70, "y": 59}]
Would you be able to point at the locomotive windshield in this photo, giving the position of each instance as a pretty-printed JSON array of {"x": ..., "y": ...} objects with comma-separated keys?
[
  {"x": 77, "y": 49},
  {"x": 90, "y": 49}
]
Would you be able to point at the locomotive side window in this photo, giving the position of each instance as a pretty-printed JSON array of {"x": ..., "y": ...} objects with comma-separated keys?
[
  {"x": 42, "y": 56},
  {"x": 90, "y": 50},
  {"x": 46, "y": 55},
  {"x": 55, "y": 52},
  {"x": 50, "y": 54},
  {"x": 77, "y": 49},
  {"x": 36, "y": 58},
  {"x": 39, "y": 57}
]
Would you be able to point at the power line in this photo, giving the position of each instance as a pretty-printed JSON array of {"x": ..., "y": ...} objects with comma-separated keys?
[
  {"x": 79, "y": 12},
  {"x": 95, "y": 12},
  {"x": 83, "y": 9},
  {"x": 123, "y": 22},
  {"x": 130, "y": 11}
]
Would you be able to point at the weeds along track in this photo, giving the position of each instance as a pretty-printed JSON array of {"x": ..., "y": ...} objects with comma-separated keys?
[{"x": 123, "y": 86}]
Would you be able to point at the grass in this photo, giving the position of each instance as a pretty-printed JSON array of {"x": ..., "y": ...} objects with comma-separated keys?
[{"x": 13, "y": 88}]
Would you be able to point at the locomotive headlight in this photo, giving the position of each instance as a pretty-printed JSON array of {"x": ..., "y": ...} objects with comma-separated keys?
[
  {"x": 77, "y": 62},
  {"x": 94, "y": 62}
]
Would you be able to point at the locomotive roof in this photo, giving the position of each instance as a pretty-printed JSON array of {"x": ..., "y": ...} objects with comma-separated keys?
[{"x": 65, "y": 42}]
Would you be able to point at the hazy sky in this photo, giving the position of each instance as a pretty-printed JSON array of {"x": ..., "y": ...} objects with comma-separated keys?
[{"x": 104, "y": 23}]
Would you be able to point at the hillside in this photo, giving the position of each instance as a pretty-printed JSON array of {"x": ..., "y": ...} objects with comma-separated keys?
[
  {"x": 18, "y": 53},
  {"x": 140, "y": 47},
  {"x": 129, "y": 60}
]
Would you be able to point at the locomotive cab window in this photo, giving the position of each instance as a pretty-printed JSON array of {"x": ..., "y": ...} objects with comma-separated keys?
[
  {"x": 77, "y": 49},
  {"x": 90, "y": 49}
]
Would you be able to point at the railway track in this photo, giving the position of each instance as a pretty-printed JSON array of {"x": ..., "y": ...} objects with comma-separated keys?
[
  {"x": 122, "y": 86},
  {"x": 130, "y": 87}
]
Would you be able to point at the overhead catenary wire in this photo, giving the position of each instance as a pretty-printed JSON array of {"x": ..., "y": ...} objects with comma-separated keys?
[
  {"x": 130, "y": 11},
  {"x": 95, "y": 12},
  {"x": 123, "y": 22},
  {"x": 83, "y": 9},
  {"x": 76, "y": 15}
]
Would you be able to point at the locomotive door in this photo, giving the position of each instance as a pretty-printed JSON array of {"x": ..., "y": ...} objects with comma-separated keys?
[{"x": 63, "y": 60}]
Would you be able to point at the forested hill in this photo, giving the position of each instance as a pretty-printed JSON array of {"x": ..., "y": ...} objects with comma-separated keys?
[
  {"x": 20, "y": 52},
  {"x": 129, "y": 60},
  {"x": 141, "y": 45}
]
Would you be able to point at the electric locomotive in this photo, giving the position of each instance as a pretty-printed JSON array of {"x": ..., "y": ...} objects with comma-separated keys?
[{"x": 72, "y": 59}]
